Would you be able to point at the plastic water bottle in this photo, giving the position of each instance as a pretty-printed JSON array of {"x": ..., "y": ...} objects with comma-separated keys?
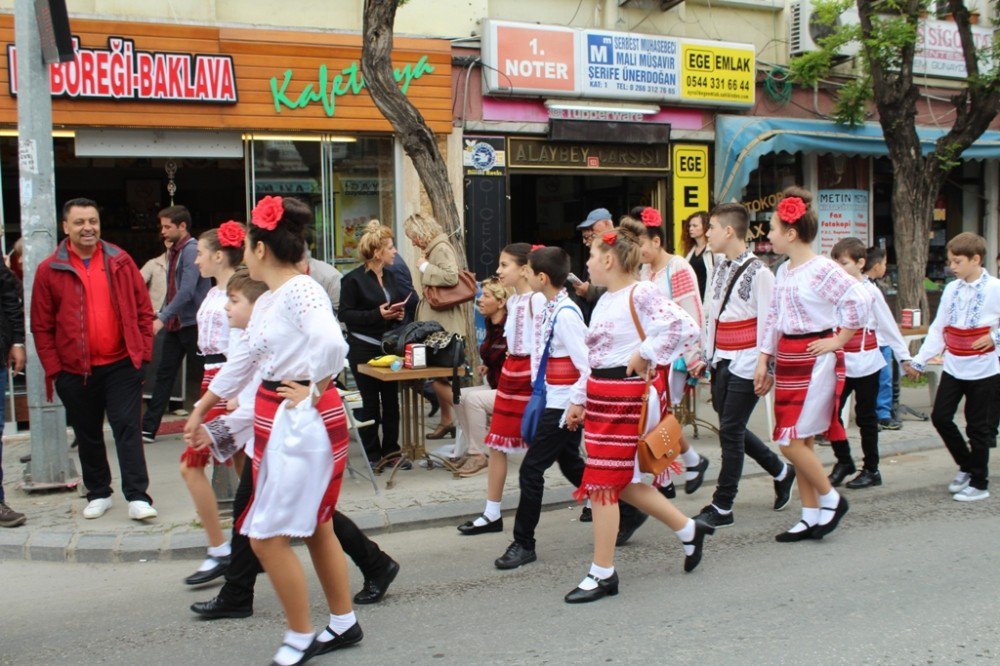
[{"x": 397, "y": 365}]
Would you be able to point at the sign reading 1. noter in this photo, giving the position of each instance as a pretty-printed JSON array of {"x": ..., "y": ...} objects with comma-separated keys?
[{"x": 325, "y": 90}]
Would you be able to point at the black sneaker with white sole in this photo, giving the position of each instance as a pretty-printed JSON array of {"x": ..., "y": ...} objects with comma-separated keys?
[{"x": 713, "y": 518}]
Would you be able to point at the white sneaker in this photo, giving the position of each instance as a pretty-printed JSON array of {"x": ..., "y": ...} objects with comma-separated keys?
[
  {"x": 148, "y": 438},
  {"x": 960, "y": 483},
  {"x": 971, "y": 494},
  {"x": 141, "y": 510},
  {"x": 97, "y": 508}
]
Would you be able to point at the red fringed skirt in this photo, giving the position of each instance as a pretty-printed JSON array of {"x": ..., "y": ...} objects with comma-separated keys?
[
  {"x": 193, "y": 458},
  {"x": 331, "y": 409},
  {"x": 513, "y": 393},
  {"x": 807, "y": 391}
]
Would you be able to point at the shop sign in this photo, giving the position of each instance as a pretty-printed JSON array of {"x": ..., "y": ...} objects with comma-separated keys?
[
  {"x": 842, "y": 214},
  {"x": 541, "y": 154},
  {"x": 555, "y": 61},
  {"x": 939, "y": 49},
  {"x": 484, "y": 157},
  {"x": 691, "y": 187},
  {"x": 598, "y": 115},
  {"x": 123, "y": 73},
  {"x": 325, "y": 90}
]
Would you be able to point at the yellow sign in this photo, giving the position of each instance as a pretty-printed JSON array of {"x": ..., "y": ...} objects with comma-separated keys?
[
  {"x": 717, "y": 74},
  {"x": 690, "y": 186}
]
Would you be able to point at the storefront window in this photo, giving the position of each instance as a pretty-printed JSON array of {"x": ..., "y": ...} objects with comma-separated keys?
[
  {"x": 774, "y": 173},
  {"x": 347, "y": 182}
]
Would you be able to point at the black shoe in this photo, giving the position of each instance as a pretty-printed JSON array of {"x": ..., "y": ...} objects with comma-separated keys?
[
  {"x": 792, "y": 537},
  {"x": 700, "y": 532},
  {"x": 842, "y": 508},
  {"x": 202, "y": 577},
  {"x": 866, "y": 479},
  {"x": 711, "y": 517},
  {"x": 516, "y": 556},
  {"x": 890, "y": 424},
  {"x": 306, "y": 654},
  {"x": 376, "y": 586},
  {"x": 695, "y": 483},
  {"x": 586, "y": 515},
  {"x": 840, "y": 472},
  {"x": 783, "y": 489},
  {"x": 669, "y": 491},
  {"x": 607, "y": 587},
  {"x": 469, "y": 528},
  {"x": 352, "y": 636},
  {"x": 626, "y": 528},
  {"x": 218, "y": 607}
]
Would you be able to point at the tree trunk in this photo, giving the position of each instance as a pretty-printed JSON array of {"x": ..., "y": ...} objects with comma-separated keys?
[{"x": 912, "y": 210}]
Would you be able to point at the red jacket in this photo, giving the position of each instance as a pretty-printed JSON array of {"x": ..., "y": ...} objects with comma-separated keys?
[{"x": 59, "y": 314}]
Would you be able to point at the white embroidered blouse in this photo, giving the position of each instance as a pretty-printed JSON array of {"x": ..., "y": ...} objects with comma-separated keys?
[
  {"x": 521, "y": 310},
  {"x": 750, "y": 298},
  {"x": 813, "y": 297},
  {"x": 213, "y": 324}
]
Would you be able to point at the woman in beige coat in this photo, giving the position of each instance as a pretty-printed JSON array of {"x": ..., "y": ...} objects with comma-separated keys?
[{"x": 438, "y": 267}]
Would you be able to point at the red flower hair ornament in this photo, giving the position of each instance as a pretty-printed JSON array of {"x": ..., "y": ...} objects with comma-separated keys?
[
  {"x": 651, "y": 217},
  {"x": 610, "y": 238},
  {"x": 231, "y": 234},
  {"x": 791, "y": 210},
  {"x": 536, "y": 247},
  {"x": 267, "y": 213}
]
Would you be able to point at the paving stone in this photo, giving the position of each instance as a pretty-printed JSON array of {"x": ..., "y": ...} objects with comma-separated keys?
[
  {"x": 96, "y": 547},
  {"x": 12, "y": 542},
  {"x": 186, "y": 545},
  {"x": 49, "y": 546},
  {"x": 135, "y": 547}
]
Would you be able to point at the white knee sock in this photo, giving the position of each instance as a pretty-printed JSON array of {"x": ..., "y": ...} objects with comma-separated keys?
[
  {"x": 492, "y": 512},
  {"x": 686, "y": 533},
  {"x": 784, "y": 472},
  {"x": 339, "y": 624},
  {"x": 299, "y": 643},
  {"x": 828, "y": 501},
  {"x": 600, "y": 573},
  {"x": 220, "y": 551},
  {"x": 690, "y": 457}
]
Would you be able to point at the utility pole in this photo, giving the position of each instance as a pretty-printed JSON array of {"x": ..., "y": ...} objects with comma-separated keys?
[{"x": 50, "y": 465}]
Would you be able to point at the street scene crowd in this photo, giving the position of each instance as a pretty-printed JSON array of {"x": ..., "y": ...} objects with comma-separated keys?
[{"x": 586, "y": 374}]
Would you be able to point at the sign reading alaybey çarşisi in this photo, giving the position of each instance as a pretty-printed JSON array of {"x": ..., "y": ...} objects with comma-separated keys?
[
  {"x": 565, "y": 62},
  {"x": 122, "y": 72}
]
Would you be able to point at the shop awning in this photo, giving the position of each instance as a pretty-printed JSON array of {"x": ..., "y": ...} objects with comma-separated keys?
[{"x": 740, "y": 142}]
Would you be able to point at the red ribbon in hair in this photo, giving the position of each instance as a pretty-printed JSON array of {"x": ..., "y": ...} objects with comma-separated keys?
[
  {"x": 610, "y": 238},
  {"x": 791, "y": 210},
  {"x": 536, "y": 247},
  {"x": 651, "y": 217}
]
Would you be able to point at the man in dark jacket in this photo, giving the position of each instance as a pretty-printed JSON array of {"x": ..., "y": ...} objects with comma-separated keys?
[
  {"x": 12, "y": 353},
  {"x": 93, "y": 328},
  {"x": 186, "y": 290}
]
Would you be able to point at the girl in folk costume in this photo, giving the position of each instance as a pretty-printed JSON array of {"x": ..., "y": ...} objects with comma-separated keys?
[
  {"x": 220, "y": 251},
  {"x": 675, "y": 279},
  {"x": 296, "y": 344},
  {"x": 621, "y": 357},
  {"x": 514, "y": 387},
  {"x": 812, "y": 297}
]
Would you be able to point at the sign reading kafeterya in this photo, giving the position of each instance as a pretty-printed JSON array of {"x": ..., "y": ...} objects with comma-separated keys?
[
  {"x": 122, "y": 72},
  {"x": 555, "y": 61}
]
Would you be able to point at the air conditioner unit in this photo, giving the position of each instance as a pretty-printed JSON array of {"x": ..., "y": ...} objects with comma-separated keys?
[{"x": 805, "y": 31}]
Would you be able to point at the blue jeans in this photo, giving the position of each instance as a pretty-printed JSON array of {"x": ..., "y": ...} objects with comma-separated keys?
[
  {"x": 883, "y": 404},
  {"x": 3, "y": 415}
]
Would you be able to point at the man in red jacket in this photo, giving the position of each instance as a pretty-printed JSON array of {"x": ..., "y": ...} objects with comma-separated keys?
[{"x": 93, "y": 327}]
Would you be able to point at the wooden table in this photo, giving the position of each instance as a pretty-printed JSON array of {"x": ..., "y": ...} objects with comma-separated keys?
[{"x": 413, "y": 443}]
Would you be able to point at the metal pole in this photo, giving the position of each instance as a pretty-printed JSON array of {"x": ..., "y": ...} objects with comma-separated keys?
[{"x": 50, "y": 465}]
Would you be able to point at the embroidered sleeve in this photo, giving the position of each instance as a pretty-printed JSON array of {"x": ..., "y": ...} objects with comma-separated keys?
[
  {"x": 763, "y": 289},
  {"x": 835, "y": 286},
  {"x": 239, "y": 367},
  {"x": 670, "y": 330},
  {"x": 933, "y": 344},
  {"x": 572, "y": 333},
  {"x": 684, "y": 283},
  {"x": 311, "y": 312},
  {"x": 223, "y": 444},
  {"x": 886, "y": 325}
]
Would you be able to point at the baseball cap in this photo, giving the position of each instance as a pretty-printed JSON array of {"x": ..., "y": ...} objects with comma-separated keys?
[{"x": 595, "y": 216}]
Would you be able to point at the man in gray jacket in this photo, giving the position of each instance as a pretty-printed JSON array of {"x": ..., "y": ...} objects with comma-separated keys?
[{"x": 177, "y": 318}]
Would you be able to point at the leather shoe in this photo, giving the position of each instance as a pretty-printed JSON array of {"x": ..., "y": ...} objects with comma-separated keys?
[
  {"x": 840, "y": 472},
  {"x": 202, "y": 577},
  {"x": 627, "y": 528},
  {"x": 469, "y": 528},
  {"x": 700, "y": 532},
  {"x": 694, "y": 484},
  {"x": 586, "y": 515},
  {"x": 442, "y": 432},
  {"x": 376, "y": 586},
  {"x": 783, "y": 489},
  {"x": 350, "y": 637},
  {"x": 516, "y": 556},
  {"x": 866, "y": 479},
  {"x": 217, "y": 607},
  {"x": 820, "y": 531},
  {"x": 607, "y": 587},
  {"x": 792, "y": 537},
  {"x": 669, "y": 491}
]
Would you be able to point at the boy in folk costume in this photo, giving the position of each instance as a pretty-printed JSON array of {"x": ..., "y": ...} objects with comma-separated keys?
[
  {"x": 875, "y": 265},
  {"x": 558, "y": 344},
  {"x": 967, "y": 330},
  {"x": 864, "y": 365},
  {"x": 812, "y": 297},
  {"x": 741, "y": 289}
]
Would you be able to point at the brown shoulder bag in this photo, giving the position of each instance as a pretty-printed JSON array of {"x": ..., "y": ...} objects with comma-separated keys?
[{"x": 445, "y": 298}]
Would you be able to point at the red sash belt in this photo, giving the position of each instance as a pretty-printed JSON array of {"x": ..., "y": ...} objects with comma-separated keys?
[
  {"x": 959, "y": 341},
  {"x": 862, "y": 340},
  {"x": 736, "y": 335},
  {"x": 561, "y": 371}
]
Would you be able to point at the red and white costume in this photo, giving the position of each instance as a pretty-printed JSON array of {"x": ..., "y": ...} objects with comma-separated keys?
[
  {"x": 678, "y": 282},
  {"x": 234, "y": 431},
  {"x": 514, "y": 385},
  {"x": 292, "y": 336},
  {"x": 568, "y": 367},
  {"x": 808, "y": 303},
  {"x": 213, "y": 343},
  {"x": 737, "y": 333},
  {"x": 886, "y": 331},
  {"x": 613, "y": 403}
]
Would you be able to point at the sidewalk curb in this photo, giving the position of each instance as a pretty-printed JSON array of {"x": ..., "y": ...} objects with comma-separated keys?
[{"x": 64, "y": 545}]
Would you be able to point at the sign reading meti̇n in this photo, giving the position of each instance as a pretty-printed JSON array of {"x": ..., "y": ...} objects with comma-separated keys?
[{"x": 566, "y": 62}]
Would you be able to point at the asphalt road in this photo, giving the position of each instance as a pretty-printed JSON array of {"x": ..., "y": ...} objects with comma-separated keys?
[{"x": 910, "y": 577}]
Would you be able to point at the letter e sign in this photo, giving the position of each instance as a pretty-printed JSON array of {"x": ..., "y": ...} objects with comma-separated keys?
[{"x": 690, "y": 184}]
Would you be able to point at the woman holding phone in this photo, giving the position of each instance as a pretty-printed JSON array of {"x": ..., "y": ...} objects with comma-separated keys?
[{"x": 371, "y": 303}]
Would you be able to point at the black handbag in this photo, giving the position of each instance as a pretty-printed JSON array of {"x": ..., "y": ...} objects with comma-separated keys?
[
  {"x": 395, "y": 341},
  {"x": 447, "y": 350}
]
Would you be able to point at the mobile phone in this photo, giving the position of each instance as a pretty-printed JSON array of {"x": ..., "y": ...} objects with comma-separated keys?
[{"x": 573, "y": 280}]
